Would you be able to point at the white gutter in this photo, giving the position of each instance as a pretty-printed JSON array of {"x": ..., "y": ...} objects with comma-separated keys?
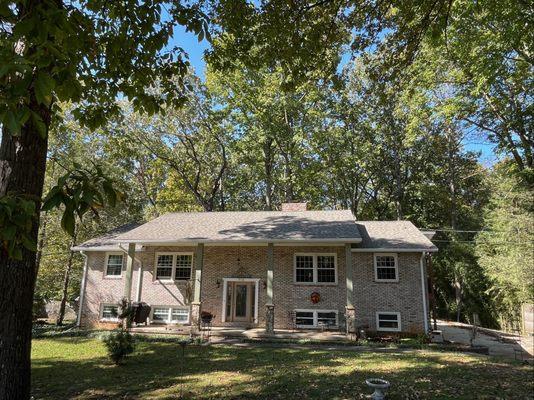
[
  {"x": 391, "y": 250},
  {"x": 82, "y": 290},
  {"x": 230, "y": 241},
  {"x": 424, "y": 290},
  {"x": 139, "y": 283}
]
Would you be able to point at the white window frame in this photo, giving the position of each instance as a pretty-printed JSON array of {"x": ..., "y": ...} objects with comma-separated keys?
[
  {"x": 113, "y": 253},
  {"x": 315, "y": 317},
  {"x": 101, "y": 314},
  {"x": 169, "y": 315},
  {"x": 398, "y": 314},
  {"x": 395, "y": 257},
  {"x": 315, "y": 274},
  {"x": 174, "y": 255}
]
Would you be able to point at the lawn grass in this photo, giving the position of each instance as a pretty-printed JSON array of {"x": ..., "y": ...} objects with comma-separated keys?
[{"x": 77, "y": 368}]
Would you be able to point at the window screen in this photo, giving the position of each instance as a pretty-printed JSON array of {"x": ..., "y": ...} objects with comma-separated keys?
[
  {"x": 164, "y": 267},
  {"x": 110, "y": 311},
  {"x": 304, "y": 268},
  {"x": 183, "y": 266},
  {"x": 386, "y": 268},
  {"x": 160, "y": 314},
  {"x": 326, "y": 269},
  {"x": 388, "y": 321},
  {"x": 180, "y": 315},
  {"x": 304, "y": 318},
  {"x": 114, "y": 265}
]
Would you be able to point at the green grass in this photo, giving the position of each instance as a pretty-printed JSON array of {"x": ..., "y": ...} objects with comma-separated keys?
[{"x": 77, "y": 368}]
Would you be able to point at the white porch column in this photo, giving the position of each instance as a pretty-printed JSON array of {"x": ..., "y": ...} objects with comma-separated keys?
[
  {"x": 195, "y": 306},
  {"x": 269, "y": 312},
  {"x": 350, "y": 312},
  {"x": 129, "y": 272}
]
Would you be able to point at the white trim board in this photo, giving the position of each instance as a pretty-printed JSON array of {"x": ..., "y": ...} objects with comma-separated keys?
[
  {"x": 391, "y": 250},
  {"x": 230, "y": 242}
]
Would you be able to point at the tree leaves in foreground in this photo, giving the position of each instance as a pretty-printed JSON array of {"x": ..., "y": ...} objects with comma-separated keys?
[{"x": 80, "y": 190}]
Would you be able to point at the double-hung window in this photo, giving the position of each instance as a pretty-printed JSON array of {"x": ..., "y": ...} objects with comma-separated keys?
[
  {"x": 167, "y": 314},
  {"x": 315, "y": 318},
  {"x": 315, "y": 268},
  {"x": 388, "y": 321},
  {"x": 174, "y": 266},
  {"x": 114, "y": 264},
  {"x": 386, "y": 267}
]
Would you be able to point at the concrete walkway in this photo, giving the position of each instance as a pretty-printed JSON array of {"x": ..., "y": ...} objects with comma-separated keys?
[{"x": 510, "y": 346}]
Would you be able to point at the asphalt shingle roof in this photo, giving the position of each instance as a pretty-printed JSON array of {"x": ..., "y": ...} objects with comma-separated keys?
[
  {"x": 264, "y": 226},
  {"x": 106, "y": 242},
  {"x": 247, "y": 226},
  {"x": 392, "y": 235}
]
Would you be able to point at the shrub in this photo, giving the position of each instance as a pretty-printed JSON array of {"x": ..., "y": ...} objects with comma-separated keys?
[{"x": 119, "y": 344}]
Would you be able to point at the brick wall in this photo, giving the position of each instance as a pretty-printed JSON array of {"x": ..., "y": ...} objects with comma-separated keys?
[
  {"x": 251, "y": 262},
  {"x": 404, "y": 296}
]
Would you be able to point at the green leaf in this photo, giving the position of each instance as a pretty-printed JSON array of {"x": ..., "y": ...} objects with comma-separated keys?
[
  {"x": 68, "y": 222},
  {"x": 44, "y": 84},
  {"x": 13, "y": 125},
  {"x": 39, "y": 124},
  {"x": 9, "y": 231},
  {"x": 29, "y": 243}
]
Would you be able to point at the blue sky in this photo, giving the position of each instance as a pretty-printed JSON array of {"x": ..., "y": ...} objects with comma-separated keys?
[{"x": 195, "y": 49}]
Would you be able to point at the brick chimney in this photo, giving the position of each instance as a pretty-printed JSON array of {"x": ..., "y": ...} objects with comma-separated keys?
[{"x": 294, "y": 206}]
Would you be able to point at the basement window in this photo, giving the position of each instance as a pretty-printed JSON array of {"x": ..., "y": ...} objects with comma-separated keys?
[
  {"x": 109, "y": 312},
  {"x": 315, "y": 318},
  {"x": 168, "y": 314},
  {"x": 388, "y": 321}
]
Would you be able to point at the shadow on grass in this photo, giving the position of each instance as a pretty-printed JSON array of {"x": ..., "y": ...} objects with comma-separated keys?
[{"x": 154, "y": 371}]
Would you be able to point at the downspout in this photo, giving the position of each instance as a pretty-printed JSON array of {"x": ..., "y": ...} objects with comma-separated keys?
[
  {"x": 82, "y": 290},
  {"x": 424, "y": 290},
  {"x": 139, "y": 283}
]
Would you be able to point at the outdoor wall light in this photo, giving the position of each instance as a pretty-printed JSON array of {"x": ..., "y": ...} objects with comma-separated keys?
[{"x": 218, "y": 283}]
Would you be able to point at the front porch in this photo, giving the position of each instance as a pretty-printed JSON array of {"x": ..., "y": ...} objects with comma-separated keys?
[{"x": 218, "y": 333}]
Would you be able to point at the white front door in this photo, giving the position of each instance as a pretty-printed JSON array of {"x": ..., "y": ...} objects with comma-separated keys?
[{"x": 240, "y": 300}]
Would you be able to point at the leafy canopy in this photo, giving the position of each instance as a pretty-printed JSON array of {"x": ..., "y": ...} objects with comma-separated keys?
[{"x": 90, "y": 52}]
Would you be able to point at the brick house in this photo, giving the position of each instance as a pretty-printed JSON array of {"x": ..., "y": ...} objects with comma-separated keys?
[{"x": 274, "y": 269}]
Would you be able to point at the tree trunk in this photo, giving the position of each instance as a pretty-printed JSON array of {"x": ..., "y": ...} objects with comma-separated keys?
[
  {"x": 66, "y": 279},
  {"x": 22, "y": 171},
  {"x": 42, "y": 239},
  {"x": 458, "y": 296},
  {"x": 268, "y": 166}
]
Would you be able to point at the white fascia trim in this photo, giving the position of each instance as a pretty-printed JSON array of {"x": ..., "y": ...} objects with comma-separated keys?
[
  {"x": 238, "y": 242},
  {"x": 391, "y": 250},
  {"x": 104, "y": 248}
]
